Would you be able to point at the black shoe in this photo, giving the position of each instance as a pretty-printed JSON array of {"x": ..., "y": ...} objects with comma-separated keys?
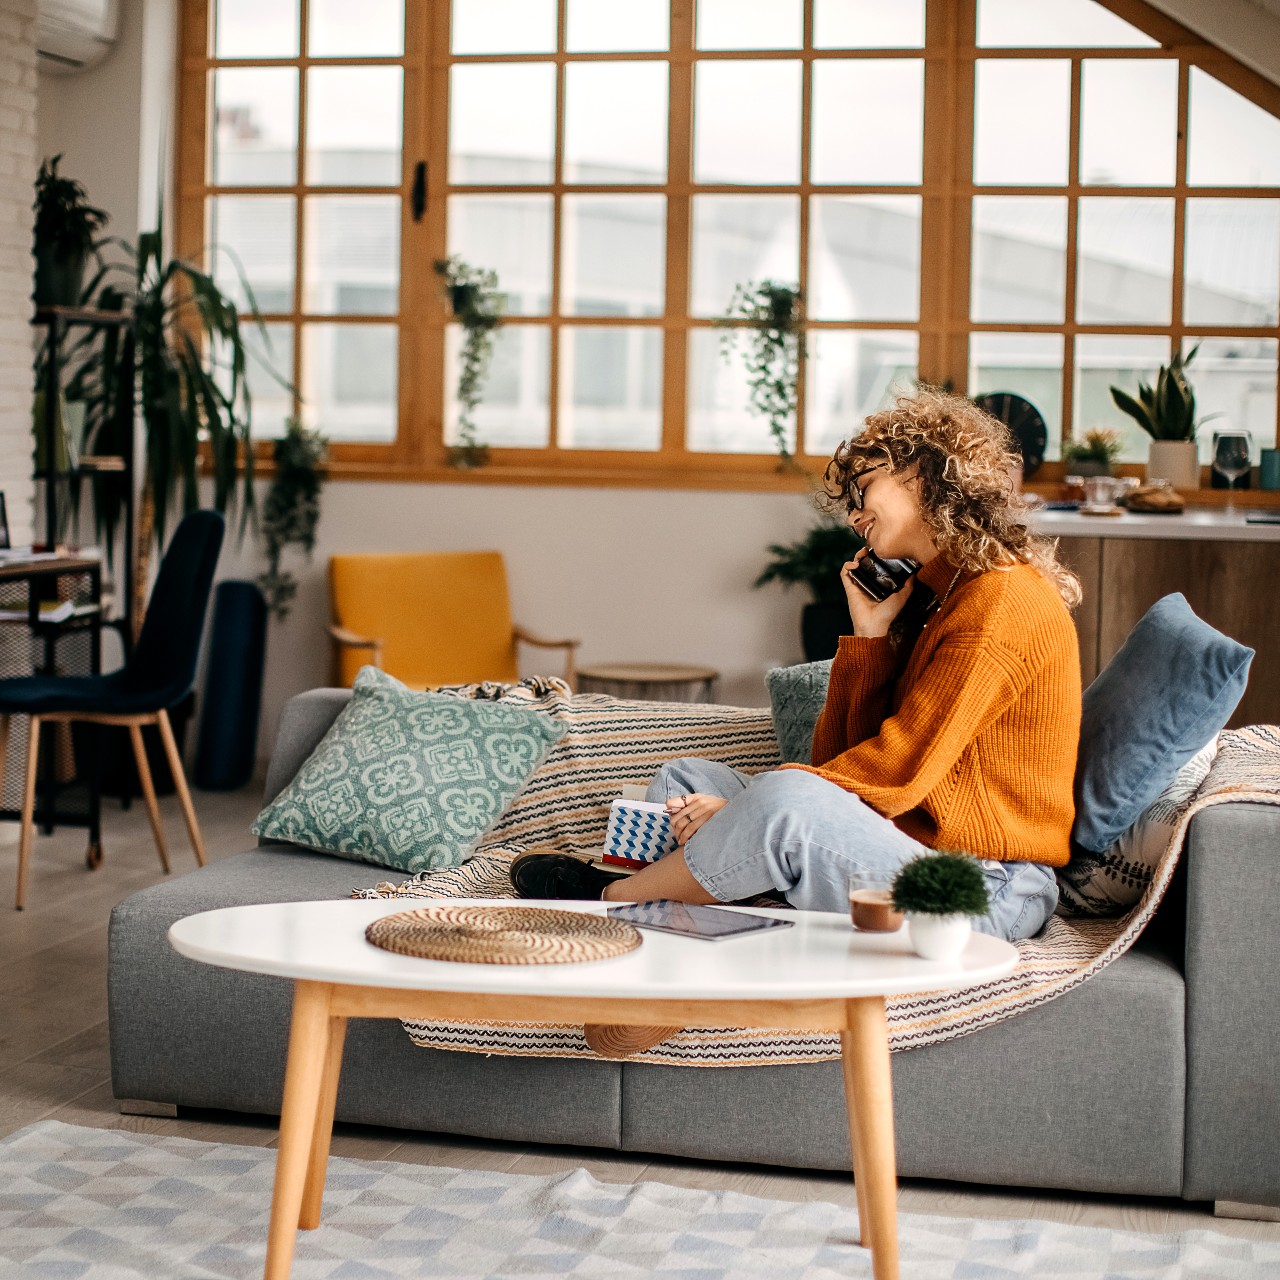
[{"x": 559, "y": 875}]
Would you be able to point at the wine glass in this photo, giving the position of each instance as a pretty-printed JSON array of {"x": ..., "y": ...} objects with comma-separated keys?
[{"x": 1231, "y": 459}]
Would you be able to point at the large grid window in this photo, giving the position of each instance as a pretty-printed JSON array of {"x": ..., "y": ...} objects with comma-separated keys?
[{"x": 1045, "y": 199}]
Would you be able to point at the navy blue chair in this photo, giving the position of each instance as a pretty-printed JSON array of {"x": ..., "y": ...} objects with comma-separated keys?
[{"x": 158, "y": 675}]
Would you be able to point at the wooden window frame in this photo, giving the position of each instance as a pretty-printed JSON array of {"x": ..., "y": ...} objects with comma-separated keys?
[{"x": 946, "y": 190}]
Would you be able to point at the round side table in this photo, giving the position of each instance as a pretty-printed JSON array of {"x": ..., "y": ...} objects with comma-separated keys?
[{"x": 654, "y": 681}]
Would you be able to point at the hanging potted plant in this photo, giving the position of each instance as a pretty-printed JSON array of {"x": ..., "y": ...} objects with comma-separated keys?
[
  {"x": 291, "y": 510},
  {"x": 1095, "y": 454},
  {"x": 940, "y": 893},
  {"x": 769, "y": 315},
  {"x": 477, "y": 306},
  {"x": 816, "y": 560},
  {"x": 65, "y": 227},
  {"x": 1167, "y": 413}
]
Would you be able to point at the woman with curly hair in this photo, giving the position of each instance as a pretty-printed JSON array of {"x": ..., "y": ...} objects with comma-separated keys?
[{"x": 952, "y": 714}]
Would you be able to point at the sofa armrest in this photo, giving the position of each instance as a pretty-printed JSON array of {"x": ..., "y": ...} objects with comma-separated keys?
[
  {"x": 303, "y": 722},
  {"x": 1233, "y": 1004}
]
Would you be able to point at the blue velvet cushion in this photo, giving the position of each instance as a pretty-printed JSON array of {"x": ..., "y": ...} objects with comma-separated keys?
[
  {"x": 1171, "y": 687},
  {"x": 797, "y": 695}
]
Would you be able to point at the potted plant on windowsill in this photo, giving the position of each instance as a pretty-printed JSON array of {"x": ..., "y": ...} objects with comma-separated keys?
[
  {"x": 65, "y": 226},
  {"x": 1094, "y": 454},
  {"x": 940, "y": 893},
  {"x": 1167, "y": 413},
  {"x": 816, "y": 560}
]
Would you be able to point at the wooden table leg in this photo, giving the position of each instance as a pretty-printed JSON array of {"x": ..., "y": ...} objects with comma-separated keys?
[
  {"x": 309, "y": 1039},
  {"x": 855, "y": 1140},
  {"x": 869, "y": 1087},
  {"x": 313, "y": 1192}
]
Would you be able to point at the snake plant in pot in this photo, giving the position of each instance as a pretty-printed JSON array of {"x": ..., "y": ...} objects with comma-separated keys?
[{"x": 1167, "y": 413}]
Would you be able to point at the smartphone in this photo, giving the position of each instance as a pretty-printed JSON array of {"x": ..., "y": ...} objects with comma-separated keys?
[{"x": 880, "y": 578}]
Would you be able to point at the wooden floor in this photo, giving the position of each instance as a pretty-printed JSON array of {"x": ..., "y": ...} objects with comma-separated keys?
[{"x": 54, "y": 1060}]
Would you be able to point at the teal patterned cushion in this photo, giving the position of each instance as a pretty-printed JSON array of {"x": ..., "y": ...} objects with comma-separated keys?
[
  {"x": 797, "y": 695},
  {"x": 409, "y": 780}
]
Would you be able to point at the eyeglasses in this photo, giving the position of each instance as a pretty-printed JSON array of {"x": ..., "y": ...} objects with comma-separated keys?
[{"x": 855, "y": 490}]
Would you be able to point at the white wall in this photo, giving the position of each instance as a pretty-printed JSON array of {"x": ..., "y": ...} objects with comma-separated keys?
[
  {"x": 113, "y": 124},
  {"x": 633, "y": 574},
  {"x": 17, "y": 172}
]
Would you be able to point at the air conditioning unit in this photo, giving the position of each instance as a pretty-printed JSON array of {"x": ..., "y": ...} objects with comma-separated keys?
[{"x": 72, "y": 35}]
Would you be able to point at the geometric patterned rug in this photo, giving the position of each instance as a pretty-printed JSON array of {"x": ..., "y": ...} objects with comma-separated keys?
[{"x": 101, "y": 1204}]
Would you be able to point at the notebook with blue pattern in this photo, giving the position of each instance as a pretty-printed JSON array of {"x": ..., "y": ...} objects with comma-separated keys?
[{"x": 639, "y": 831}]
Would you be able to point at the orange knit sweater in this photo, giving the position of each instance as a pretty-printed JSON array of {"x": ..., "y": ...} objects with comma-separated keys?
[{"x": 967, "y": 740}]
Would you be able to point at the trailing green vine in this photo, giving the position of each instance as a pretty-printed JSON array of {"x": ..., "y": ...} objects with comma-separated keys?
[
  {"x": 477, "y": 306},
  {"x": 291, "y": 510},
  {"x": 770, "y": 314}
]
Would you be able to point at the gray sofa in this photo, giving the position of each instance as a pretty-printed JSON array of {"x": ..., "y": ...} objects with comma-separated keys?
[{"x": 1157, "y": 1077}]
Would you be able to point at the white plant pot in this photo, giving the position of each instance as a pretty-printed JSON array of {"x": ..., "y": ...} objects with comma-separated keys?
[
  {"x": 1176, "y": 461},
  {"x": 939, "y": 937}
]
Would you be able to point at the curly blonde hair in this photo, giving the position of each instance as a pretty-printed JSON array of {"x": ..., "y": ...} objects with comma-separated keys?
[{"x": 964, "y": 459}]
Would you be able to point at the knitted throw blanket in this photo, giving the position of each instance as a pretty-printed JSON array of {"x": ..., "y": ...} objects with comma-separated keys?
[{"x": 1065, "y": 954}]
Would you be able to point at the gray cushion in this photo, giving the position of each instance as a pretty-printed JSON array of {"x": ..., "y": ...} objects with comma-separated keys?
[
  {"x": 797, "y": 695},
  {"x": 1173, "y": 684}
]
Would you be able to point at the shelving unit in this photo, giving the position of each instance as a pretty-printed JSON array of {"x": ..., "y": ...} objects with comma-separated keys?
[
  {"x": 58, "y": 322},
  {"x": 68, "y": 786}
]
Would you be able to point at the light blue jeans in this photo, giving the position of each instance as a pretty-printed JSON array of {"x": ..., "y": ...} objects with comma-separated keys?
[{"x": 812, "y": 841}]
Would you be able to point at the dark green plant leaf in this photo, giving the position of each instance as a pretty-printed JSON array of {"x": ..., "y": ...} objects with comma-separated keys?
[{"x": 942, "y": 884}]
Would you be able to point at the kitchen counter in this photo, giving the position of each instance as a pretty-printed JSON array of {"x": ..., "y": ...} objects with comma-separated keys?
[{"x": 1204, "y": 524}]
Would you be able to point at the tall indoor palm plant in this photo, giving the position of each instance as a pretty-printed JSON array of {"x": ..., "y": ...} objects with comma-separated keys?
[{"x": 189, "y": 362}]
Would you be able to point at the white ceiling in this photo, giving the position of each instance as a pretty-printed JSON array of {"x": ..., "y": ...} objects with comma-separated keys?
[{"x": 1247, "y": 29}]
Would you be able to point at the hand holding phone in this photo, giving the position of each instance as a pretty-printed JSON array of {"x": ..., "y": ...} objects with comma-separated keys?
[{"x": 877, "y": 590}]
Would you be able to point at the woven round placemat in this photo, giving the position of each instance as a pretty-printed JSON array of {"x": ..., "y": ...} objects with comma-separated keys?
[{"x": 503, "y": 935}]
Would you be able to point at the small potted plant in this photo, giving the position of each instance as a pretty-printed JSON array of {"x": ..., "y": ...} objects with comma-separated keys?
[
  {"x": 770, "y": 315},
  {"x": 65, "y": 227},
  {"x": 816, "y": 560},
  {"x": 1167, "y": 413},
  {"x": 940, "y": 893},
  {"x": 477, "y": 305},
  {"x": 1094, "y": 454}
]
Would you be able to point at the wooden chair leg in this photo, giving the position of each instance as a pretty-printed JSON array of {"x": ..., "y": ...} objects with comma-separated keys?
[
  {"x": 149, "y": 792},
  {"x": 4, "y": 752},
  {"x": 180, "y": 782},
  {"x": 28, "y": 810}
]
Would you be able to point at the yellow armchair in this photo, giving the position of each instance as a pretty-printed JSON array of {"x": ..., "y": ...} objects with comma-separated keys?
[{"x": 428, "y": 618}]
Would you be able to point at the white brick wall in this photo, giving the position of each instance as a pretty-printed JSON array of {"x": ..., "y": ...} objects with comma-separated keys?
[{"x": 18, "y": 164}]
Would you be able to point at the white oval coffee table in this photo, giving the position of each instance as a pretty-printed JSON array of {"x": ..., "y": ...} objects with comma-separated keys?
[{"x": 819, "y": 975}]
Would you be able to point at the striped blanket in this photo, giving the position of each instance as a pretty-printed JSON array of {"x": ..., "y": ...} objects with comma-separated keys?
[{"x": 611, "y": 742}]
